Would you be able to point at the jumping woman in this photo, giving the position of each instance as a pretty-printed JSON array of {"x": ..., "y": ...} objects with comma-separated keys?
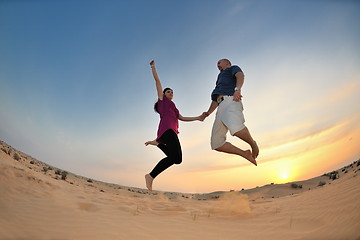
[{"x": 167, "y": 139}]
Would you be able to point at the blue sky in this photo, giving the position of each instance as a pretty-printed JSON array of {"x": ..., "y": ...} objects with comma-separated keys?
[{"x": 76, "y": 90}]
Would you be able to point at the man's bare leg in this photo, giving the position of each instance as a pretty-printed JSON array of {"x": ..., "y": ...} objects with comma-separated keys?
[
  {"x": 229, "y": 148},
  {"x": 149, "y": 180},
  {"x": 245, "y": 135}
]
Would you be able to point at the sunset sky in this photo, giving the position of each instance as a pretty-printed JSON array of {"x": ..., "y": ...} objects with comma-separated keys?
[{"x": 76, "y": 89}]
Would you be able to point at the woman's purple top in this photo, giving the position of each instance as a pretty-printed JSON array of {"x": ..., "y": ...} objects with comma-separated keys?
[{"x": 169, "y": 115}]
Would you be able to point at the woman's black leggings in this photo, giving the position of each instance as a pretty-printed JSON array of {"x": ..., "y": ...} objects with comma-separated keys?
[{"x": 170, "y": 145}]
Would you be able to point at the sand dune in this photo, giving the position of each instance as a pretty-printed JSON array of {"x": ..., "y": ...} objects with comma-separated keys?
[{"x": 37, "y": 203}]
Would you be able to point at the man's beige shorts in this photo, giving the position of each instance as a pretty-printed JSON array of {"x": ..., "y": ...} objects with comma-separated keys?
[{"x": 229, "y": 117}]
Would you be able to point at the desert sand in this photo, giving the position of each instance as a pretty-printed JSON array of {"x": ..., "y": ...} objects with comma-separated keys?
[{"x": 38, "y": 201}]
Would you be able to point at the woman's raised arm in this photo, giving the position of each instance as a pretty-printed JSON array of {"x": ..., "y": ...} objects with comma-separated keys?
[{"x": 157, "y": 80}]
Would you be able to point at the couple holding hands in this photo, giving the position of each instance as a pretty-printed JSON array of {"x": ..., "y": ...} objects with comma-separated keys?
[{"x": 226, "y": 97}]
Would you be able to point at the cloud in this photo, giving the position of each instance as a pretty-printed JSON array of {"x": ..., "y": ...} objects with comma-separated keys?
[
  {"x": 341, "y": 94},
  {"x": 292, "y": 148}
]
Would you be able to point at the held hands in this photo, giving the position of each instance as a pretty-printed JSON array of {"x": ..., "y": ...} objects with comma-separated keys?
[
  {"x": 152, "y": 63},
  {"x": 203, "y": 116}
]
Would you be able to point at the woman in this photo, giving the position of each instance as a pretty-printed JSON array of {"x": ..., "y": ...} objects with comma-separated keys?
[{"x": 167, "y": 139}]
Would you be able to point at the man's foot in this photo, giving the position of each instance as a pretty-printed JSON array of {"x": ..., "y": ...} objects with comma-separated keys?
[
  {"x": 249, "y": 156},
  {"x": 255, "y": 150},
  {"x": 149, "y": 180},
  {"x": 229, "y": 148},
  {"x": 153, "y": 142}
]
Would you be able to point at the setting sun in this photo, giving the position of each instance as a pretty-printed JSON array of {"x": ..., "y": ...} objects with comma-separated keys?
[{"x": 284, "y": 175}]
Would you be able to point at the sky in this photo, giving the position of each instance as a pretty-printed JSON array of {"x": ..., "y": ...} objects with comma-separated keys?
[{"x": 76, "y": 89}]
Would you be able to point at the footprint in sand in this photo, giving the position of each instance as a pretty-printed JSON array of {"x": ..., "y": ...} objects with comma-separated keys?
[
  {"x": 89, "y": 207},
  {"x": 304, "y": 224}
]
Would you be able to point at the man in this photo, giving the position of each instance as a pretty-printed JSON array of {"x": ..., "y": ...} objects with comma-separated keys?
[{"x": 226, "y": 97}]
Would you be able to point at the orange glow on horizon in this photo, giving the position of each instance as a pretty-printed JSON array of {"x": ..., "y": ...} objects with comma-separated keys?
[{"x": 297, "y": 160}]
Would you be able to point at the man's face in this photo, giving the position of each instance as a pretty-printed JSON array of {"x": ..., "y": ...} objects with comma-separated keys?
[{"x": 222, "y": 65}]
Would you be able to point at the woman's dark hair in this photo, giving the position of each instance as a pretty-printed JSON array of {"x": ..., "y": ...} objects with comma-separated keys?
[{"x": 156, "y": 104}]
